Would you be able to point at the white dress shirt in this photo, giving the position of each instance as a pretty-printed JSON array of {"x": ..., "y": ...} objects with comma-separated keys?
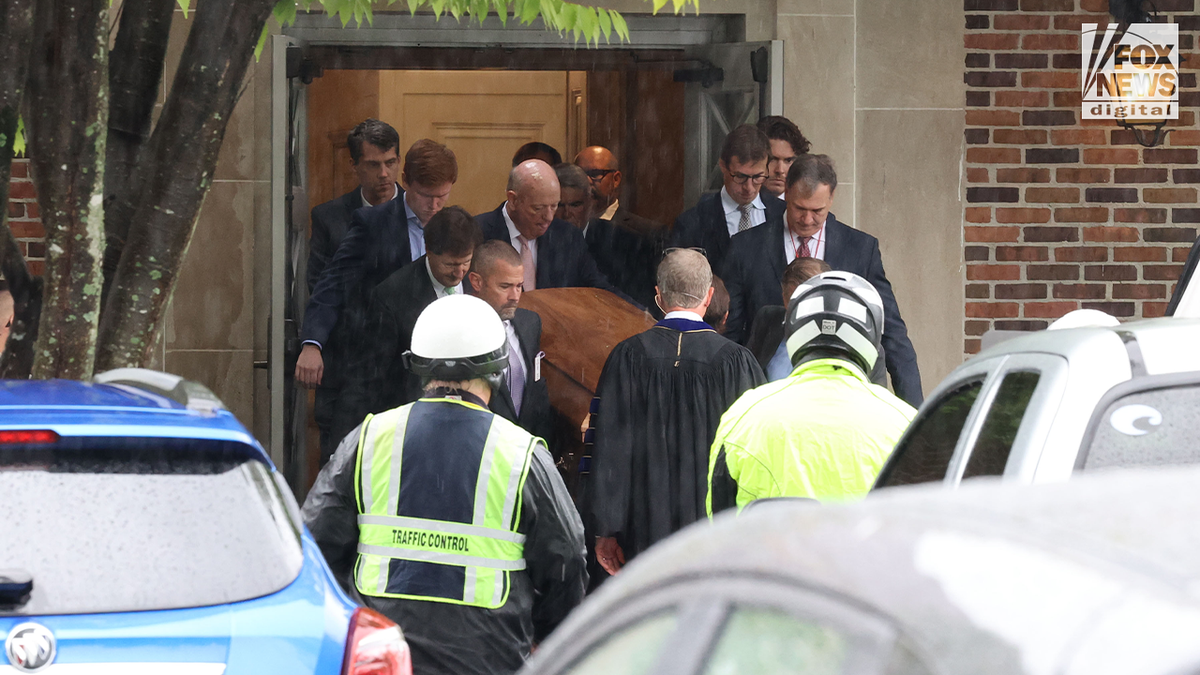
[
  {"x": 395, "y": 191},
  {"x": 611, "y": 210},
  {"x": 513, "y": 233},
  {"x": 791, "y": 244},
  {"x": 517, "y": 368},
  {"x": 684, "y": 314},
  {"x": 733, "y": 217},
  {"x": 442, "y": 291}
]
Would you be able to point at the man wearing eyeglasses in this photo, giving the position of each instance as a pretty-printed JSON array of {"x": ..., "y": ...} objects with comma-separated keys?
[
  {"x": 626, "y": 246},
  {"x": 787, "y": 143},
  {"x": 737, "y": 207},
  {"x": 757, "y": 260}
]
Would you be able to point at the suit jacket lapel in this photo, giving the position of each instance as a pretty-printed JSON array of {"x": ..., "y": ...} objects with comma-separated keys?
[
  {"x": 775, "y": 246},
  {"x": 718, "y": 224},
  {"x": 835, "y": 243}
]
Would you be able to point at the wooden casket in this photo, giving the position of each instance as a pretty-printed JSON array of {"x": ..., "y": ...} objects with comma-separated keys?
[{"x": 580, "y": 326}]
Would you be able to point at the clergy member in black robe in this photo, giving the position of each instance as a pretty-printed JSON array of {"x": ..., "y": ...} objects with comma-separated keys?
[{"x": 658, "y": 403}]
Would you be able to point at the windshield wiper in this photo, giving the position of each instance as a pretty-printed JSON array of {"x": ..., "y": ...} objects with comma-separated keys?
[{"x": 15, "y": 587}]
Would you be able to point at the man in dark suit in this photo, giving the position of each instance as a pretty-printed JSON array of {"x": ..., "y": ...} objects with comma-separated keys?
[
  {"x": 381, "y": 240},
  {"x": 787, "y": 143},
  {"x": 378, "y": 379},
  {"x": 757, "y": 259},
  {"x": 374, "y": 157},
  {"x": 553, "y": 252},
  {"x": 625, "y": 246},
  {"x": 737, "y": 207},
  {"x": 496, "y": 277}
]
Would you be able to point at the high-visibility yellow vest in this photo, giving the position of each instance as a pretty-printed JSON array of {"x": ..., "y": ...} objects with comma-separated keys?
[
  {"x": 824, "y": 432},
  {"x": 439, "y": 523}
]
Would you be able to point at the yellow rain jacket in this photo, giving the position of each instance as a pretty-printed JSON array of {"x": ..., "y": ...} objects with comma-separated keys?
[{"x": 823, "y": 432}]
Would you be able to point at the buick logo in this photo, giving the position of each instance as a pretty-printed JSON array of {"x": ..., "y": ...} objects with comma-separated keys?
[{"x": 30, "y": 647}]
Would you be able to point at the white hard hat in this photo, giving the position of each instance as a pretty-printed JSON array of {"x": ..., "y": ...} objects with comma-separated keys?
[
  {"x": 1085, "y": 318},
  {"x": 457, "y": 338}
]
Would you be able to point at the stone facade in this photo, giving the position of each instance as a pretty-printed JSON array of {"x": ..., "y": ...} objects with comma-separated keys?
[{"x": 1064, "y": 213}]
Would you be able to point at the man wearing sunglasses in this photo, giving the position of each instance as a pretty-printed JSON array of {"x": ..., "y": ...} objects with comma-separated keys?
[
  {"x": 738, "y": 206},
  {"x": 625, "y": 245}
]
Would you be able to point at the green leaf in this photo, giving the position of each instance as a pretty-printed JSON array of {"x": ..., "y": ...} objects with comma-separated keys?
[
  {"x": 619, "y": 26},
  {"x": 262, "y": 41},
  {"x": 659, "y": 4},
  {"x": 414, "y": 5},
  {"x": 185, "y": 5},
  {"x": 605, "y": 23},
  {"x": 19, "y": 138},
  {"x": 285, "y": 12}
]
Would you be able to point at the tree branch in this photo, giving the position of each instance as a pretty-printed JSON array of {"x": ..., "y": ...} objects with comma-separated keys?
[
  {"x": 68, "y": 115},
  {"x": 187, "y": 138},
  {"x": 135, "y": 71}
]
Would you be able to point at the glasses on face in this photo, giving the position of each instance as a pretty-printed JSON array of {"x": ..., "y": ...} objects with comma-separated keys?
[
  {"x": 599, "y": 174},
  {"x": 694, "y": 249},
  {"x": 742, "y": 179}
]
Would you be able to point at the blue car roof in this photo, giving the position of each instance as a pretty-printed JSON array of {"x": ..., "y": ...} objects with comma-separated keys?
[{"x": 72, "y": 408}]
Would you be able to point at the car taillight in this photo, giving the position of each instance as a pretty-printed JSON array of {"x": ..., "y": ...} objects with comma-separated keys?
[
  {"x": 375, "y": 646},
  {"x": 27, "y": 436}
]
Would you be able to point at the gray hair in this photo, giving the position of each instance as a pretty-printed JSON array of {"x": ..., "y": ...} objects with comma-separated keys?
[
  {"x": 684, "y": 277},
  {"x": 811, "y": 171},
  {"x": 571, "y": 176}
]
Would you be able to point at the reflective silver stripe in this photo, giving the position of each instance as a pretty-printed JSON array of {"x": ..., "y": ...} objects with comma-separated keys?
[
  {"x": 441, "y": 526},
  {"x": 397, "y": 461},
  {"x": 510, "y": 495},
  {"x": 485, "y": 475},
  {"x": 498, "y": 589},
  {"x": 368, "y": 459},
  {"x": 469, "y": 589},
  {"x": 433, "y": 556}
]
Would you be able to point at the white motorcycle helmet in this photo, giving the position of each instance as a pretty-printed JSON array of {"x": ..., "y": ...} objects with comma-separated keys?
[
  {"x": 459, "y": 338},
  {"x": 835, "y": 312}
]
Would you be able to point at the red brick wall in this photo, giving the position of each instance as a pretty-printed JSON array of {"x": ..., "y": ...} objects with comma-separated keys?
[
  {"x": 23, "y": 216},
  {"x": 1064, "y": 213}
]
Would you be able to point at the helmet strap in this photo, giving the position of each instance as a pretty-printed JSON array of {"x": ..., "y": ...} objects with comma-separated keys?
[{"x": 455, "y": 393}]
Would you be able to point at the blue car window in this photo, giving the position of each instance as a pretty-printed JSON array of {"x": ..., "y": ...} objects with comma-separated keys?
[{"x": 143, "y": 524}]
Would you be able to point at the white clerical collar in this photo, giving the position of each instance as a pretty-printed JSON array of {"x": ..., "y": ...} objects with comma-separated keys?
[
  {"x": 610, "y": 211},
  {"x": 731, "y": 206},
  {"x": 395, "y": 191},
  {"x": 684, "y": 314},
  {"x": 437, "y": 285}
]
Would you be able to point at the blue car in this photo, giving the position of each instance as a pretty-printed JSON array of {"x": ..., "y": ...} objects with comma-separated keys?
[{"x": 143, "y": 530}]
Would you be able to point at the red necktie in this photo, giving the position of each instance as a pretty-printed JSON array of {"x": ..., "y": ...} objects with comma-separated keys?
[{"x": 804, "y": 252}]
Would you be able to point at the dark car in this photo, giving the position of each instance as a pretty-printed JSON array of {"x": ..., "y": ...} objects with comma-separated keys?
[{"x": 1100, "y": 575}]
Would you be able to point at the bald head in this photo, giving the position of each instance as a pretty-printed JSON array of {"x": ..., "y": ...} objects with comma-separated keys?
[
  {"x": 600, "y": 164},
  {"x": 533, "y": 195}
]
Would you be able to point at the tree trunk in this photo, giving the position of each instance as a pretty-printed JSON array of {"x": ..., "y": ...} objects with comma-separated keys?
[
  {"x": 174, "y": 173},
  {"x": 68, "y": 116},
  {"x": 16, "y": 33},
  {"x": 135, "y": 70}
]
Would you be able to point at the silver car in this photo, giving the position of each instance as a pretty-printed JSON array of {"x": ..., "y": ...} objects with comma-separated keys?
[
  {"x": 1097, "y": 576},
  {"x": 1037, "y": 408}
]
